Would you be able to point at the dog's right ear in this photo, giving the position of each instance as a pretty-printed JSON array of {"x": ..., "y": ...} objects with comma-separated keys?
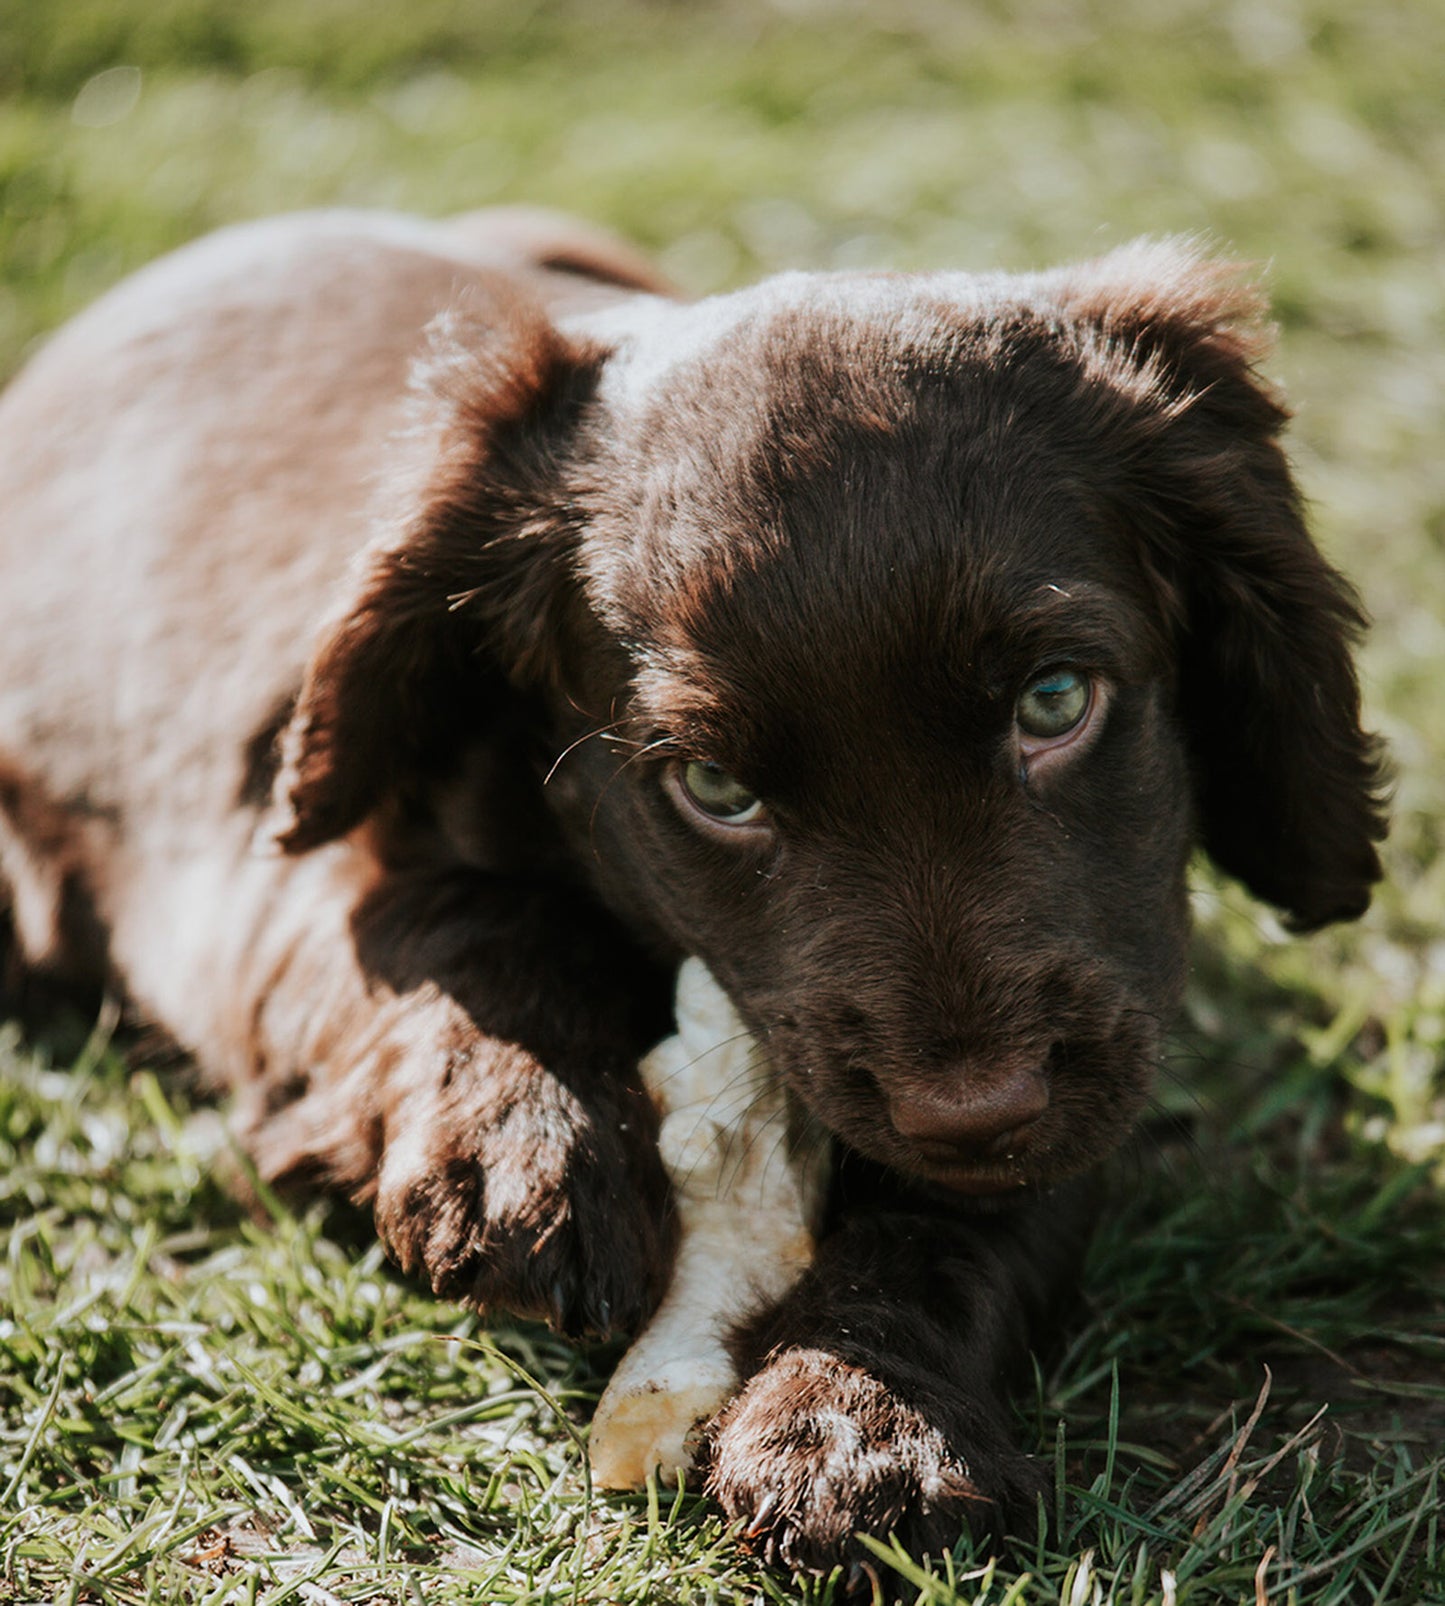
[
  {"x": 1290, "y": 789},
  {"x": 468, "y": 583}
]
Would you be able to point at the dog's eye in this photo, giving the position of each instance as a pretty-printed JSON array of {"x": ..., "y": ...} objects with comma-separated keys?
[
  {"x": 718, "y": 794},
  {"x": 1053, "y": 704}
]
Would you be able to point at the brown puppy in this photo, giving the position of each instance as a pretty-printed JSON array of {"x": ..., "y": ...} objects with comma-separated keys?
[{"x": 415, "y": 638}]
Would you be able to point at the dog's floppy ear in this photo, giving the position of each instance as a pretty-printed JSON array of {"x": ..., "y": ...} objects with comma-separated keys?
[
  {"x": 466, "y": 584},
  {"x": 1289, "y": 787}
]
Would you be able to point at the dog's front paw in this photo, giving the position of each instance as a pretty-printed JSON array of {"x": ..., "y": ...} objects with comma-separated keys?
[
  {"x": 508, "y": 1190},
  {"x": 814, "y": 1451}
]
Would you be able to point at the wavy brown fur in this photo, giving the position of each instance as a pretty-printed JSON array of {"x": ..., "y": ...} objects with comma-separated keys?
[{"x": 347, "y": 670}]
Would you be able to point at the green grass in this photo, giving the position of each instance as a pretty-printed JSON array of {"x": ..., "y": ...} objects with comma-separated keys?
[{"x": 198, "y": 1406}]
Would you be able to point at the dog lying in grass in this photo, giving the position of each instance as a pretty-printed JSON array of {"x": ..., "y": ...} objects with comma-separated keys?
[{"x": 415, "y": 639}]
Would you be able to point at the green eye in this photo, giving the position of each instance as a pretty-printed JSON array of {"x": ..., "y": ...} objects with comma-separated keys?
[
  {"x": 719, "y": 794},
  {"x": 1053, "y": 704}
]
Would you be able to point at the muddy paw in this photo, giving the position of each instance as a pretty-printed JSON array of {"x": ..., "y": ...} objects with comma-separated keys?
[
  {"x": 814, "y": 1451},
  {"x": 507, "y": 1189}
]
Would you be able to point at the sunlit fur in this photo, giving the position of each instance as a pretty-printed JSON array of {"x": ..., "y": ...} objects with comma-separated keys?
[{"x": 367, "y": 581}]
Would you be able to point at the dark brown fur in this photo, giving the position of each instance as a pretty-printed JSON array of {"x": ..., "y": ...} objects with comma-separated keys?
[{"x": 415, "y": 892}]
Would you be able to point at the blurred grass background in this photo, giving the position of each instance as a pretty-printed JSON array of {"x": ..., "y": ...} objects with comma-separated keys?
[{"x": 149, "y": 1338}]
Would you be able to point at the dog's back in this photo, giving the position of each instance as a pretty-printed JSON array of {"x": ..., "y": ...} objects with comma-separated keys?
[{"x": 186, "y": 472}]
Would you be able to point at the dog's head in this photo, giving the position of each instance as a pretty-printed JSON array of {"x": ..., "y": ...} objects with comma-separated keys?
[{"x": 903, "y": 636}]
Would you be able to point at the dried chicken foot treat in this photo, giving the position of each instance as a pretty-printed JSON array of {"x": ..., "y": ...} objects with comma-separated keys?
[{"x": 748, "y": 1183}]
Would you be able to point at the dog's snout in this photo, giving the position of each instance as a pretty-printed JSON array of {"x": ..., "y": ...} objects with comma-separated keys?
[{"x": 972, "y": 1112}]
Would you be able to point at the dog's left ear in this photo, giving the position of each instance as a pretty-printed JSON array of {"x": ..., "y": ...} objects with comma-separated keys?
[
  {"x": 1289, "y": 788},
  {"x": 465, "y": 593}
]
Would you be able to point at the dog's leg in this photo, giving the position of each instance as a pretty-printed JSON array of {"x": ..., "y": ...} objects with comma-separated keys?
[
  {"x": 458, "y": 1049},
  {"x": 877, "y": 1401}
]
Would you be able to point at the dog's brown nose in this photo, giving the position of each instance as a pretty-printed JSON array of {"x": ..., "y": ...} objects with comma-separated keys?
[{"x": 973, "y": 1113}]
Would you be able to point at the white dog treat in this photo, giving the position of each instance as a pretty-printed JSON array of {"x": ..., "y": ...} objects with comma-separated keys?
[{"x": 748, "y": 1189}]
